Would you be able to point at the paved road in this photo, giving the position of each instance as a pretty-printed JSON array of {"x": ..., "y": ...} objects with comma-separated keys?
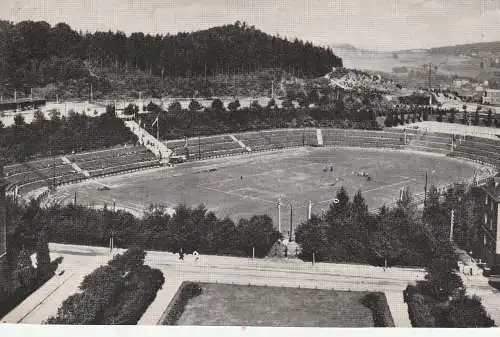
[{"x": 80, "y": 260}]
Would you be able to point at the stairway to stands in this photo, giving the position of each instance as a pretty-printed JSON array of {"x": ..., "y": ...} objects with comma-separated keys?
[{"x": 159, "y": 149}]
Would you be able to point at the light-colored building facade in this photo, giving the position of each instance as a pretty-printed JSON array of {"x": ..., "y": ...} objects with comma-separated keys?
[
  {"x": 489, "y": 232},
  {"x": 491, "y": 96}
]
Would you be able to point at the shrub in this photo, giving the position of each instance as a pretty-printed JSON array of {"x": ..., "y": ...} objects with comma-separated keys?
[
  {"x": 377, "y": 303},
  {"x": 420, "y": 313},
  {"x": 426, "y": 115},
  {"x": 117, "y": 293},
  {"x": 439, "y": 117},
  {"x": 464, "y": 312},
  {"x": 186, "y": 292}
]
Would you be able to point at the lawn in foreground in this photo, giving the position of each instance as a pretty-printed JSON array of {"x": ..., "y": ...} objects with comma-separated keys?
[{"x": 239, "y": 305}]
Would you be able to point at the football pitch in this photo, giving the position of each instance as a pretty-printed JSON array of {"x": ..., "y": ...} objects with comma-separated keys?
[{"x": 242, "y": 186}]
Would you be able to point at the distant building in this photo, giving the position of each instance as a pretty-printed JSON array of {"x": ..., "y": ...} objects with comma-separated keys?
[
  {"x": 22, "y": 104},
  {"x": 488, "y": 240},
  {"x": 491, "y": 96},
  {"x": 458, "y": 83}
]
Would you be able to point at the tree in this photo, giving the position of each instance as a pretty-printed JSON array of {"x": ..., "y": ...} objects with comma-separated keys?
[
  {"x": 55, "y": 115},
  {"x": 38, "y": 117},
  {"x": 110, "y": 110},
  {"x": 217, "y": 105},
  {"x": 312, "y": 97},
  {"x": 312, "y": 238},
  {"x": 341, "y": 209},
  {"x": 389, "y": 120},
  {"x": 255, "y": 106},
  {"x": 42, "y": 251},
  {"x": 287, "y": 104},
  {"x": 175, "y": 106},
  {"x": 19, "y": 120},
  {"x": 233, "y": 106},
  {"x": 258, "y": 232},
  {"x": 359, "y": 207},
  {"x": 489, "y": 120},
  {"x": 131, "y": 109},
  {"x": 194, "y": 105}
]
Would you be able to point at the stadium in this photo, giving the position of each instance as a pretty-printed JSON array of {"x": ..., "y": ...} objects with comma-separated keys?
[
  {"x": 147, "y": 178},
  {"x": 329, "y": 157},
  {"x": 242, "y": 174},
  {"x": 287, "y": 174}
]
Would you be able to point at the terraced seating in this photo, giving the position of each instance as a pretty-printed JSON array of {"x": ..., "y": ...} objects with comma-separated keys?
[
  {"x": 362, "y": 138},
  {"x": 278, "y": 139},
  {"x": 123, "y": 167},
  {"x": 114, "y": 160},
  {"x": 479, "y": 149},
  {"x": 206, "y": 147},
  {"x": 290, "y": 137},
  {"x": 30, "y": 176},
  {"x": 255, "y": 141},
  {"x": 37, "y": 164},
  {"x": 105, "y": 154},
  {"x": 431, "y": 143}
]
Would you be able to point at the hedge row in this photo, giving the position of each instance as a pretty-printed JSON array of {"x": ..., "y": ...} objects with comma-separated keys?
[
  {"x": 117, "y": 293},
  {"x": 377, "y": 303},
  {"x": 418, "y": 311},
  {"x": 187, "y": 291}
]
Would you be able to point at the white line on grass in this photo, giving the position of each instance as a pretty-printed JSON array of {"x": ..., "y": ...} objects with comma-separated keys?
[{"x": 236, "y": 194}]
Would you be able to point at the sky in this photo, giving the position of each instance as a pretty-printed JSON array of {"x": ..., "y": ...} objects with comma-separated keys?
[{"x": 381, "y": 25}]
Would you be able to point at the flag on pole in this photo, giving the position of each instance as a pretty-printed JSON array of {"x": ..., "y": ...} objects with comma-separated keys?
[{"x": 155, "y": 122}]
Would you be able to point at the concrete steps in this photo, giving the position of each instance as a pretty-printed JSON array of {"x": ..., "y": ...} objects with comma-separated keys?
[
  {"x": 319, "y": 136},
  {"x": 240, "y": 143},
  {"x": 159, "y": 149}
]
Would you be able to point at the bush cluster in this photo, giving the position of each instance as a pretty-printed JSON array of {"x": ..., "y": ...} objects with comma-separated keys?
[
  {"x": 377, "y": 303},
  {"x": 187, "y": 291},
  {"x": 117, "y": 293}
]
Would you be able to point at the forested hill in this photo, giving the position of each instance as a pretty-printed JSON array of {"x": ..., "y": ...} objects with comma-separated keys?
[
  {"x": 37, "y": 54},
  {"x": 488, "y": 47}
]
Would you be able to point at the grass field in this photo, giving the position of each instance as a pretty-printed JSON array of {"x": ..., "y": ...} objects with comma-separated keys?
[
  {"x": 298, "y": 175},
  {"x": 237, "y": 305}
]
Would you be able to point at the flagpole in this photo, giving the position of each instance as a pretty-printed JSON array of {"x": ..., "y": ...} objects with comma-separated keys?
[
  {"x": 279, "y": 214},
  {"x": 425, "y": 189}
]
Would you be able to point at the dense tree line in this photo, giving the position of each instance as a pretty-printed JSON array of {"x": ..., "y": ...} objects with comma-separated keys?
[
  {"x": 26, "y": 235},
  {"x": 117, "y": 293},
  {"x": 59, "y": 135},
  {"x": 175, "y": 122},
  {"x": 189, "y": 228},
  {"x": 35, "y": 53},
  {"x": 348, "y": 232}
]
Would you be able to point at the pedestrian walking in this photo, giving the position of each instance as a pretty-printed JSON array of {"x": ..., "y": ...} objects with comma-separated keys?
[
  {"x": 181, "y": 254},
  {"x": 196, "y": 256}
]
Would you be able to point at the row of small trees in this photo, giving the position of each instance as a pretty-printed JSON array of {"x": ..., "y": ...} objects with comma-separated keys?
[
  {"x": 59, "y": 135},
  {"x": 188, "y": 228}
]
